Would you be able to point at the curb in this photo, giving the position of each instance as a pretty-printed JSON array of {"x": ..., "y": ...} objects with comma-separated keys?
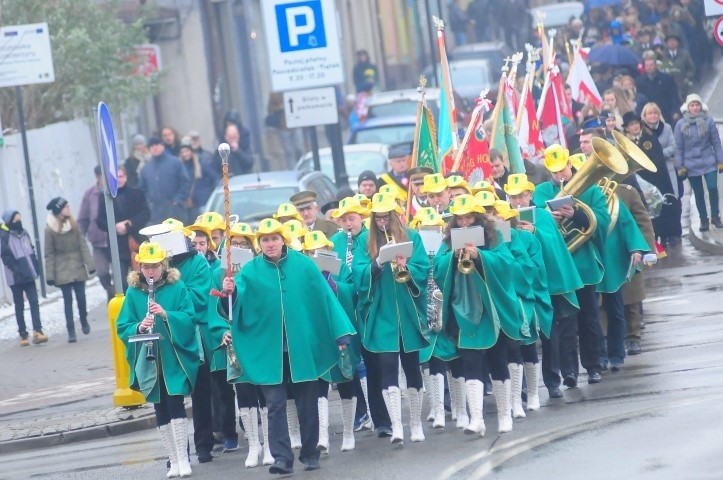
[
  {"x": 115, "y": 429},
  {"x": 707, "y": 246}
]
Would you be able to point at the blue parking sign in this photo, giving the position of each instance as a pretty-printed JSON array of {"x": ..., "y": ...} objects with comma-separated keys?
[{"x": 300, "y": 26}]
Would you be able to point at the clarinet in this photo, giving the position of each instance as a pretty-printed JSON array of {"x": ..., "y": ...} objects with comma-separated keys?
[
  {"x": 349, "y": 244},
  {"x": 150, "y": 348},
  {"x": 434, "y": 296}
]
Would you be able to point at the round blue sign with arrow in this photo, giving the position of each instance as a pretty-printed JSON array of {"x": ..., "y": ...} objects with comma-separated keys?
[{"x": 106, "y": 141}]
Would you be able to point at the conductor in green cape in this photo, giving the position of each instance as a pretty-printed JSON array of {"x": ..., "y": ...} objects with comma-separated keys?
[
  {"x": 171, "y": 375},
  {"x": 288, "y": 330}
]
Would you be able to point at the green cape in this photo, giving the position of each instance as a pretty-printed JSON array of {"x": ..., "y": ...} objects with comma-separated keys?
[
  {"x": 625, "y": 239},
  {"x": 389, "y": 310},
  {"x": 291, "y": 301},
  {"x": 196, "y": 275},
  {"x": 489, "y": 289},
  {"x": 542, "y": 313},
  {"x": 589, "y": 257},
  {"x": 176, "y": 352}
]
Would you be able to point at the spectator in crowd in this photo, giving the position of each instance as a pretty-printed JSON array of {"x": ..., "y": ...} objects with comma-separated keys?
[
  {"x": 699, "y": 156},
  {"x": 458, "y": 21},
  {"x": 131, "y": 214},
  {"x": 67, "y": 262},
  {"x": 137, "y": 159},
  {"x": 653, "y": 120},
  {"x": 367, "y": 183},
  {"x": 616, "y": 101},
  {"x": 283, "y": 146},
  {"x": 97, "y": 238},
  {"x": 21, "y": 270},
  {"x": 171, "y": 140},
  {"x": 203, "y": 154},
  {"x": 203, "y": 180},
  {"x": 678, "y": 64},
  {"x": 164, "y": 182},
  {"x": 659, "y": 87},
  {"x": 365, "y": 73},
  {"x": 636, "y": 99},
  {"x": 241, "y": 159}
]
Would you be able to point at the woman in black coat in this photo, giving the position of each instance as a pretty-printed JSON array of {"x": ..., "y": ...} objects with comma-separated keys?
[
  {"x": 131, "y": 214},
  {"x": 666, "y": 225}
]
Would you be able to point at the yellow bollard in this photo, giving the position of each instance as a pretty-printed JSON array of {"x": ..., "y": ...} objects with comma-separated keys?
[{"x": 123, "y": 395}]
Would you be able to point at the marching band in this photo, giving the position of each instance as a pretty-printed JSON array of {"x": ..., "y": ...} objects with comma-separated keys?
[{"x": 462, "y": 293}]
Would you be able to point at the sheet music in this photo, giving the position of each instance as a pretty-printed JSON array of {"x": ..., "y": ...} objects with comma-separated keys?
[
  {"x": 174, "y": 243},
  {"x": 327, "y": 263},
  {"x": 462, "y": 236},
  {"x": 239, "y": 258},
  {"x": 390, "y": 251},
  {"x": 431, "y": 238},
  {"x": 527, "y": 214},
  {"x": 506, "y": 229}
]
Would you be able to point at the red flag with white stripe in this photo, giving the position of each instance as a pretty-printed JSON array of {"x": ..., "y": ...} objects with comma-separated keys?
[
  {"x": 551, "y": 109},
  {"x": 529, "y": 131},
  {"x": 581, "y": 83}
]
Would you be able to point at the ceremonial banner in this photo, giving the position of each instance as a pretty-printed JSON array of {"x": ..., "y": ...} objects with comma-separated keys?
[{"x": 581, "y": 83}]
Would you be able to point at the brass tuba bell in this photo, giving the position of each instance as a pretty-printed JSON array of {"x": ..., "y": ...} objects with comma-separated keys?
[{"x": 604, "y": 162}]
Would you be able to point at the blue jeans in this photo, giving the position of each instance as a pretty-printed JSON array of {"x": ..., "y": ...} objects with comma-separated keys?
[
  {"x": 615, "y": 352},
  {"x": 31, "y": 290},
  {"x": 711, "y": 182}
]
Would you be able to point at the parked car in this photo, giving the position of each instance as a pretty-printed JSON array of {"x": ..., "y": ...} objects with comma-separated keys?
[
  {"x": 469, "y": 78},
  {"x": 256, "y": 196},
  {"x": 494, "y": 52},
  {"x": 387, "y": 130},
  {"x": 557, "y": 14},
  {"x": 401, "y": 102},
  {"x": 359, "y": 157}
]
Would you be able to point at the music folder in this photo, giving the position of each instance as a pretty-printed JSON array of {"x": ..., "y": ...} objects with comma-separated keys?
[
  {"x": 462, "y": 236},
  {"x": 557, "y": 203},
  {"x": 431, "y": 238},
  {"x": 527, "y": 214},
  {"x": 327, "y": 262},
  {"x": 391, "y": 251},
  {"x": 239, "y": 258}
]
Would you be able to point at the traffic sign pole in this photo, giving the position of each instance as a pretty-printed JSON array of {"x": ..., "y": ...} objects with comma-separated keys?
[
  {"x": 31, "y": 190},
  {"x": 123, "y": 395}
]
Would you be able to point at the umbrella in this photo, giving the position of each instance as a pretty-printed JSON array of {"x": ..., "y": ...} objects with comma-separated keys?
[
  {"x": 601, "y": 3},
  {"x": 613, "y": 55}
]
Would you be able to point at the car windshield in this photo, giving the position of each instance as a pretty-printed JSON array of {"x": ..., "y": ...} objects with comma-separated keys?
[
  {"x": 254, "y": 203},
  {"x": 388, "y": 134},
  {"x": 401, "y": 107},
  {"x": 477, "y": 74},
  {"x": 356, "y": 162}
]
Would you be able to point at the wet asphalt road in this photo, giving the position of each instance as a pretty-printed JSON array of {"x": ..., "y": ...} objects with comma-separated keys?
[{"x": 659, "y": 418}]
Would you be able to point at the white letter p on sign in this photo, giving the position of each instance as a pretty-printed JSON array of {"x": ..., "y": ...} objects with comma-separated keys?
[{"x": 295, "y": 30}]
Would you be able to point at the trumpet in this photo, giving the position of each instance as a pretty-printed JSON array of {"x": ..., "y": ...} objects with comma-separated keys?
[
  {"x": 465, "y": 264},
  {"x": 150, "y": 347},
  {"x": 401, "y": 274}
]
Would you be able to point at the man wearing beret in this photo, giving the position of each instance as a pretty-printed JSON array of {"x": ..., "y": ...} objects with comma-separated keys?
[
  {"x": 305, "y": 203},
  {"x": 399, "y": 159}
]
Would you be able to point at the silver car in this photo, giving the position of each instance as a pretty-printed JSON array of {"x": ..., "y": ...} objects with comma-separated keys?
[
  {"x": 357, "y": 157},
  {"x": 256, "y": 196}
]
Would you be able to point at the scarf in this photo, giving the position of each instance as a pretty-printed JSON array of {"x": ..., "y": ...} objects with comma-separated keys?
[{"x": 700, "y": 120}]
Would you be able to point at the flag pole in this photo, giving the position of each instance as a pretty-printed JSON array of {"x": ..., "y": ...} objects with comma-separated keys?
[
  {"x": 525, "y": 86},
  {"x": 500, "y": 99},
  {"x": 415, "y": 146},
  {"x": 476, "y": 113},
  {"x": 447, "y": 80}
]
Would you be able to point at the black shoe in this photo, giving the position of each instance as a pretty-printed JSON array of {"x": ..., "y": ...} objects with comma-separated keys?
[
  {"x": 280, "y": 468},
  {"x": 704, "y": 225},
  {"x": 384, "y": 432},
  {"x": 604, "y": 366},
  {"x": 570, "y": 380},
  {"x": 85, "y": 327},
  {"x": 554, "y": 392},
  {"x": 594, "y": 377},
  {"x": 717, "y": 223},
  {"x": 311, "y": 464},
  {"x": 616, "y": 366},
  {"x": 72, "y": 338},
  {"x": 634, "y": 348},
  {"x": 204, "y": 457}
]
